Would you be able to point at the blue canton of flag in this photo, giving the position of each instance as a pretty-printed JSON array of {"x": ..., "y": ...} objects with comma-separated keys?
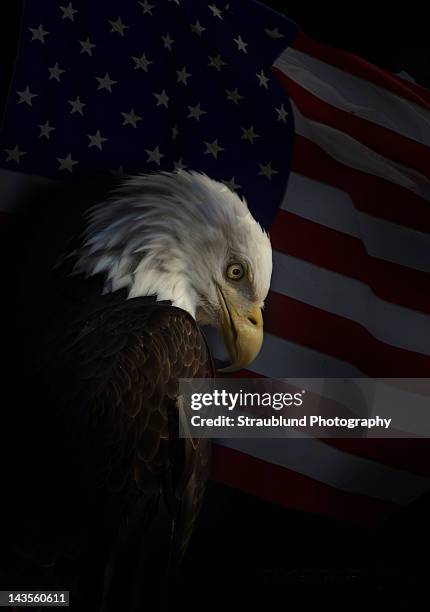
[{"x": 163, "y": 85}]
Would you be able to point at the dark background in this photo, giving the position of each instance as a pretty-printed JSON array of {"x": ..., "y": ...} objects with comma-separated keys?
[
  {"x": 246, "y": 549},
  {"x": 395, "y": 38}
]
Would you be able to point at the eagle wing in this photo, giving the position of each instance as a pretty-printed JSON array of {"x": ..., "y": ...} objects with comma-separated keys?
[{"x": 108, "y": 451}]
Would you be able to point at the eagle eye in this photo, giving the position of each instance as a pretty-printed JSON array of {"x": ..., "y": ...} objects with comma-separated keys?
[{"x": 235, "y": 271}]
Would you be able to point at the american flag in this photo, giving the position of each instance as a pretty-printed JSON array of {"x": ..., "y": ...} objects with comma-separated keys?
[
  {"x": 139, "y": 86},
  {"x": 238, "y": 91}
]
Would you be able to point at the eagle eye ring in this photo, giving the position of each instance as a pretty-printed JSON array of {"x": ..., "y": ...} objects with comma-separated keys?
[{"x": 235, "y": 271}]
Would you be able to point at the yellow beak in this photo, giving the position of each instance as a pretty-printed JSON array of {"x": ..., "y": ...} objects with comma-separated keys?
[{"x": 242, "y": 332}]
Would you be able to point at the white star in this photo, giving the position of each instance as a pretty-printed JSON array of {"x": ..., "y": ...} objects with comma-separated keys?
[
  {"x": 68, "y": 12},
  {"x": 45, "y": 130},
  {"x": 233, "y": 95},
  {"x": 216, "y": 62},
  {"x": 26, "y": 96},
  {"x": 96, "y": 140},
  {"x": 282, "y": 113},
  {"x": 175, "y": 132},
  {"x": 275, "y": 33},
  {"x": 196, "y": 28},
  {"x": 216, "y": 12},
  {"x": 39, "y": 33},
  {"x": 55, "y": 72},
  {"x": 14, "y": 154},
  {"x": 232, "y": 185},
  {"x": 131, "y": 118},
  {"x": 118, "y": 26},
  {"x": 249, "y": 134},
  {"x": 183, "y": 75},
  {"x": 179, "y": 166},
  {"x": 147, "y": 8},
  {"x": 77, "y": 106},
  {"x": 87, "y": 46},
  {"x": 241, "y": 45},
  {"x": 142, "y": 62},
  {"x": 66, "y": 163},
  {"x": 263, "y": 80},
  {"x": 162, "y": 98},
  {"x": 155, "y": 155},
  {"x": 195, "y": 112},
  {"x": 106, "y": 82},
  {"x": 267, "y": 171},
  {"x": 213, "y": 148},
  {"x": 168, "y": 42}
]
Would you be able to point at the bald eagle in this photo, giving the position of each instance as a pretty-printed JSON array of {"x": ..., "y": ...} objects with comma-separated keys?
[{"x": 110, "y": 491}]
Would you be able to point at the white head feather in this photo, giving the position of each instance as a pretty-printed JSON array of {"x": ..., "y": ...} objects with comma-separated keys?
[{"x": 173, "y": 235}]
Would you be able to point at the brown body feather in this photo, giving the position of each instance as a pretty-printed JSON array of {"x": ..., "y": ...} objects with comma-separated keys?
[{"x": 102, "y": 451}]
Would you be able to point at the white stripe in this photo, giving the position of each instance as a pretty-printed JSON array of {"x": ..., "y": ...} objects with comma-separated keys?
[
  {"x": 385, "y": 398},
  {"x": 350, "y": 152},
  {"x": 356, "y": 95},
  {"x": 336, "y": 468},
  {"x": 352, "y": 299},
  {"x": 335, "y": 209},
  {"x": 280, "y": 358},
  {"x": 404, "y": 401}
]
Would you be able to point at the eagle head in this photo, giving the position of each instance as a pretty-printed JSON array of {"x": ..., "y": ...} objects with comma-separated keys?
[{"x": 189, "y": 239}]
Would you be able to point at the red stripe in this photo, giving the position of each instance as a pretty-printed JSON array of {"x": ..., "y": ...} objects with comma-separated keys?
[
  {"x": 386, "y": 142},
  {"x": 370, "y": 194},
  {"x": 409, "y": 454},
  {"x": 284, "y": 487},
  {"x": 362, "y": 69},
  {"x": 412, "y": 455},
  {"x": 346, "y": 255},
  {"x": 341, "y": 338}
]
